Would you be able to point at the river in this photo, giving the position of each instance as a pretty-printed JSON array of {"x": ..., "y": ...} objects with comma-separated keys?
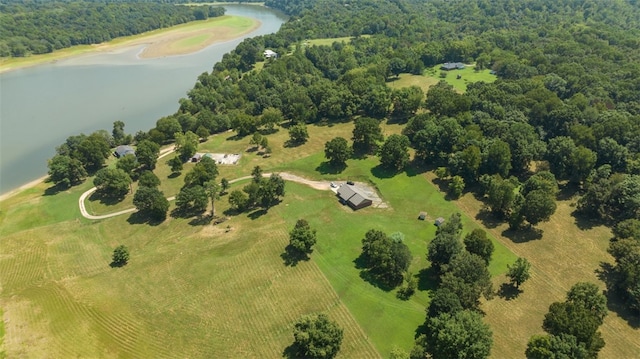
[{"x": 42, "y": 105}]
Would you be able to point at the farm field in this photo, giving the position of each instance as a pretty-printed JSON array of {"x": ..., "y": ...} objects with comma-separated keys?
[{"x": 195, "y": 290}]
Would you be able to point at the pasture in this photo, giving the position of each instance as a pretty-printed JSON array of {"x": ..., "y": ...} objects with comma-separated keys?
[
  {"x": 431, "y": 76},
  {"x": 192, "y": 289}
]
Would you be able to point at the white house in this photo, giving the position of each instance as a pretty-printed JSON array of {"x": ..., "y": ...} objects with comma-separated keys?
[{"x": 269, "y": 54}]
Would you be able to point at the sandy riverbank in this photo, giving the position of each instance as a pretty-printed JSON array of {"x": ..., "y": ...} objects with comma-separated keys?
[
  {"x": 22, "y": 188},
  {"x": 177, "y": 40}
]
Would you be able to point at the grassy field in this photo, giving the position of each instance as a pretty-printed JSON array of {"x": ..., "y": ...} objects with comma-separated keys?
[
  {"x": 171, "y": 36},
  {"x": 431, "y": 77},
  {"x": 194, "y": 290},
  {"x": 205, "y": 290}
]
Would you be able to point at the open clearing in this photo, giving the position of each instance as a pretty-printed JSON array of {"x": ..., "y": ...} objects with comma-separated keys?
[
  {"x": 175, "y": 40},
  {"x": 197, "y": 290},
  {"x": 431, "y": 77}
]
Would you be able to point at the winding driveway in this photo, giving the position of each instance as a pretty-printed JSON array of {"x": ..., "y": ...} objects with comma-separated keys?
[{"x": 319, "y": 185}]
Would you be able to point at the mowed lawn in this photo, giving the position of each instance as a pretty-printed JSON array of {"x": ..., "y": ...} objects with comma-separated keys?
[
  {"x": 431, "y": 77},
  {"x": 195, "y": 291}
]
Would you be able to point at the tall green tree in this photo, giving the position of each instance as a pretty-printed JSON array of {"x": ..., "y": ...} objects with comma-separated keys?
[
  {"x": 478, "y": 243},
  {"x": 112, "y": 182},
  {"x": 317, "y": 337},
  {"x": 458, "y": 335},
  {"x": 519, "y": 272},
  {"x": 302, "y": 237},
  {"x": 147, "y": 154},
  {"x": 120, "y": 256},
  {"x": 337, "y": 151},
  {"x": 192, "y": 199},
  {"x": 151, "y": 201},
  {"x": 367, "y": 133},
  {"x": 66, "y": 170},
  {"x": 394, "y": 153},
  {"x": 298, "y": 134}
]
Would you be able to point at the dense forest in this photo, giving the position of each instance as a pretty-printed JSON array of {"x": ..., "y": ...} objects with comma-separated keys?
[
  {"x": 41, "y": 27},
  {"x": 564, "y": 115}
]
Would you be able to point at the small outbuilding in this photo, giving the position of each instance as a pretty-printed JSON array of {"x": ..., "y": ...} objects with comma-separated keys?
[
  {"x": 439, "y": 221},
  {"x": 352, "y": 196},
  {"x": 196, "y": 158},
  {"x": 422, "y": 216},
  {"x": 124, "y": 150},
  {"x": 448, "y": 66}
]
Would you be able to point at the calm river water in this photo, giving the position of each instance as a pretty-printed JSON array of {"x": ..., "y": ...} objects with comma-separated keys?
[{"x": 43, "y": 105}]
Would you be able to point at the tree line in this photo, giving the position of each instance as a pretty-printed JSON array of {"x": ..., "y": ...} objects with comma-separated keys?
[{"x": 28, "y": 28}]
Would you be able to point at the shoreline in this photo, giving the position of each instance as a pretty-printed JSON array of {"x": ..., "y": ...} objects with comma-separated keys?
[
  {"x": 23, "y": 187},
  {"x": 157, "y": 37}
]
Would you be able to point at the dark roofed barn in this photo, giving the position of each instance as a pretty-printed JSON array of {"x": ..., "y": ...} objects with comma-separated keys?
[
  {"x": 353, "y": 197},
  {"x": 123, "y": 151}
]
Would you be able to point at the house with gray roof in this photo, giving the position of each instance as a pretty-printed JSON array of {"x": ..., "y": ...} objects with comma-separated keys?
[
  {"x": 352, "y": 196},
  {"x": 447, "y": 66},
  {"x": 124, "y": 150}
]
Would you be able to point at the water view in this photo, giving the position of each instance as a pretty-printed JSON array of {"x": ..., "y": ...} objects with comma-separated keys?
[{"x": 43, "y": 105}]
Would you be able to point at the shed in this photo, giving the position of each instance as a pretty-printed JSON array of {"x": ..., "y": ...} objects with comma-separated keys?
[
  {"x": 196, "y": 158},
  {"x": 439, "y": 221},
  {"x": 422, "y": 216},
  {"x": 124, "y": 150},
  {"x": 352, "y": 196}
]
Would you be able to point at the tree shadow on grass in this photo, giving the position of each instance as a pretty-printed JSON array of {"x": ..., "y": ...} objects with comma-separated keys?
[
  {"x": 174, "y": 175},
  {"x": 615, "y": 302},
  {"x": 55, "y": 189},
  {"x": 488, "y": 219},
  {"x": 117, "y": 265},
  {"x": 201, "y": 220},
  {"x": 327, "y": 168},
  {"x": 585, "y": 222},
  {"x": 427, "y": 279},
  {"x": 508, "y": 291},
  {"x": 143, "y": 218},
  {"x": 523, "y": 235},
  {"x": 186, "y": 213},
  {"x": 415, "y": 168},
  {"x": 368, "y": 276},
  {"x": 381, "y": 172},
  {"x": 105, "y": 200},
  {"x": 291, "y": 256},
  {"x": 257, "y": 214},
  {"x": 291, "y": 352}
]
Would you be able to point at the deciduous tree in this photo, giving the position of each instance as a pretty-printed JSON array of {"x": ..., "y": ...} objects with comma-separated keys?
[
  {"x": 66, "y": 170},
  {"x": 317, "y": 337},
  {"x": 458, "y": 335},
  {"x": 337, "y": 151},
  {"x": 366, "y": 134},
  {"x": 298, "y": 134},
  {"x": 518, "y": 273},
  {"x": 120, "y": 256},
  {"x": 302, "y": 237},
  {"x": 394, "y": 153},
  {"x": 147, "y": 154},
  {"x": 477, "y": 242},
  {"x": 112, "y": 182},
  {"x": 151, "y": 201}
]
